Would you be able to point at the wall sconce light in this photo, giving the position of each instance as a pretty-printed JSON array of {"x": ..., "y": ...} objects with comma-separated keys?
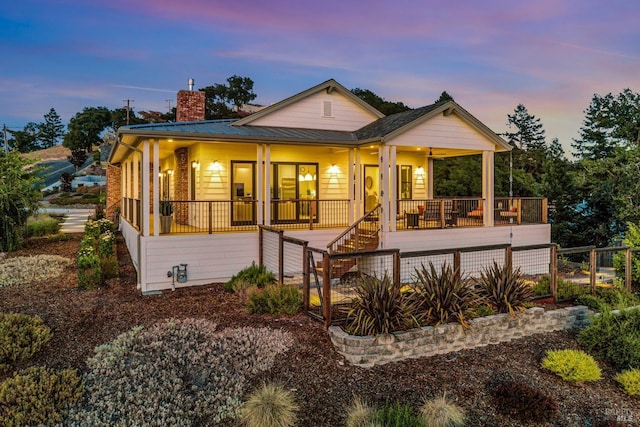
[
  {"x": 169, "y": 172},
  {"x": 195, "y": 164},
  {"x": 334, "y": 170},
  {"x": 420, "y": 172},
  {"x": 160, "y": 175},
  {"x": 215, "y": 166}
]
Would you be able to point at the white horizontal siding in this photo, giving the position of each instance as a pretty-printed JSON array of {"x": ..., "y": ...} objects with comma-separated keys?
[
  {"x": 446, "y": 132},
  {"x": 307, "y": 113},
  {"x": 210, "y": 258}
]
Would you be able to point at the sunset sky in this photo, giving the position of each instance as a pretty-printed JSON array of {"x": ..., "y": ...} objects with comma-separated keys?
[{"x": 490, "y": 55}]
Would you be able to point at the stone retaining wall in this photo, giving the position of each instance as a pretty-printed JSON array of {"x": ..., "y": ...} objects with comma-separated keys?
[{"x": 428, "y": 341}]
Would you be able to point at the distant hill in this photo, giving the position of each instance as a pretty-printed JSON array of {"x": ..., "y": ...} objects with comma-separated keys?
[{"x": 52, "y": 153}]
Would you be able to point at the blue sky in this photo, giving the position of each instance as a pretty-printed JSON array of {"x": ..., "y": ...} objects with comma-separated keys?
[{"x": 550, "y": 55}]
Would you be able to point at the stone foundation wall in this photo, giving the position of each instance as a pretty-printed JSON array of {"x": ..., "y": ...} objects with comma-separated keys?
[{"x": 428, "y": 341}]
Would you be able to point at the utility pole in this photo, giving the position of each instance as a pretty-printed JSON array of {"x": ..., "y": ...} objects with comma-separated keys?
[
  {"x": 128, "y": 101},
  {"x": 169, "y": 103}
]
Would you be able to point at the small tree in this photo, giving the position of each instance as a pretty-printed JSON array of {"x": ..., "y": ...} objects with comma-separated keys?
[
  {"x": 19, "y": 197},
  {"x": 77, "y": 157}
]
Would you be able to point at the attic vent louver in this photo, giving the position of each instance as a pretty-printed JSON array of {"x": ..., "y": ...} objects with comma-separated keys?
[{"x": 327, "y": 109}]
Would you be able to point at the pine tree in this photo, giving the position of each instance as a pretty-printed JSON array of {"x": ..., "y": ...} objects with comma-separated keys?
[
  {"x": 528, "y": 140},
  {"x": 51, "y": 130}
]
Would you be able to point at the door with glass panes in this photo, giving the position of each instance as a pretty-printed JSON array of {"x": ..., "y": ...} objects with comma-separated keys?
[
  {"x": 294, "y": 192},
  {"x": 243, "y": 204}
]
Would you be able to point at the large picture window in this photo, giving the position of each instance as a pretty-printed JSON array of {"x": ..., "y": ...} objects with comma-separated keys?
[{"x": 293, "y": 188}]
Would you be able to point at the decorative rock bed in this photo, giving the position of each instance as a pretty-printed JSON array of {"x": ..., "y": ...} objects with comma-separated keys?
[{"x": 428, "y": 341}]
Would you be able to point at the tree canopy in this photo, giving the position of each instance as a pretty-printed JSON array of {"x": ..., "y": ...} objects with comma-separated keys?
[
  {"x": 85, "y": 128},
  {"x": 223, "y": 101},
  {"x": 377, "y": 102}
]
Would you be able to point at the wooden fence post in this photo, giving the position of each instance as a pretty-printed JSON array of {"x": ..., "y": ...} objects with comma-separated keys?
[
  {"x": 553, "y": 273},
  {"x": 396, "y": 267},
  {"x": 305, "y": 277},
  {"x": 456, "y": 264},
  {"x": 593, "y": 263},
  {"x": 326, "y": 288},
  {"x": 627, "y": 269},
  {"x": 508, "y": 256},
  {"x": 281, "y": 256}
]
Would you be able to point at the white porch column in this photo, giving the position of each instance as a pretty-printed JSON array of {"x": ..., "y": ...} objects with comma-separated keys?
[
  {"x": 357, "y": 173},
  {"x": 156, "y": 187},
  {"x": 383, "y": 165},
  {"x": 429, "y": 177},
  {"x": 267, "y": 184},
  {"x": 350, "y": 184},
  {"x": 144, "y": 187},
  {"x": 488, "y": 186},
  {"x": 393, "y": 187},
  {"x": 260, "y": 184}
]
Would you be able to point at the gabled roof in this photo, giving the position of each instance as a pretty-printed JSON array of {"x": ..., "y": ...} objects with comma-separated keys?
[{"x": 330, "y": 86}]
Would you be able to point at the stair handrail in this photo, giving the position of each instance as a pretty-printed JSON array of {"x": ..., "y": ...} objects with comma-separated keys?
[{"x": 353, "y": 226}]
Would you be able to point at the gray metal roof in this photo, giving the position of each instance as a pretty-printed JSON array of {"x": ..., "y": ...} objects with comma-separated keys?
[
  {"x": 223, "y": 128},
  {"x": 393, "y": 122}
]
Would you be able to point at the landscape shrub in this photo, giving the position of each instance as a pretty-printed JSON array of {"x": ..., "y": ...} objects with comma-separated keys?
[
  {"x": 542, "y": 286},
  {"x": 360, "y": 414},
  {"x": 398, "y": 415},
  {"x": 440, "y": 412},
  {"x": 379, "y": 307},
  {"x": 257, "y": 275},
  {"x": 106, "y": 244},
  {"x": 630, "y": 381},
  {"x": 572, "y": 365},
  {"x": 29, "y": 269},
  {"x": 522, "y": 401},
  {"x": 176, "y": 372},
  {"x": 443, "y": 296},
  {"x": 274, "y": 299},
  {"x": 615, "y": 338},
  {"x": 109, "y": 267},
  {"x": 42, "y": 225},
  {"x": 568, "y": 289},
  {"x": 21, "y": 336},
  {"x": 269, "y": 406},
  {"x": 38, "y": 396},
  {"x": 504, "y": 288},
  {"x": 89, "y": 273},
  {"x": 593, "y": 302}
]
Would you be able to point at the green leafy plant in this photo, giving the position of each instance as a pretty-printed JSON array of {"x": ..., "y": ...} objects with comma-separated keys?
[
  {"x": 572, "y": 365},
  {"x": 443, "y": 295},
  {"x": 542, "y": 286},
  {"x": 42, "y": 225},
  {"x": 109, "y": 267},
  {"x": 504, "y": 288},
  {"x": 106, "y": 244},
  {"x": 257, "y": 275},
  {"x": 614, "y": 338},
  {"x": 37, "y": 396},
  {"x": 274, "y": 299},
  {"x": 89, "y": 273},
  {"x": 522, "y": 401},
  {"x": 485, "y": 310},
  {"x": 398, "y": 415},
  {"x": 21, "y": 336},
  {"x": 380, "y": 307},
  {"x": 360, "y": 414},
  {"x": 269, "y": 406},
  {"x": 166, "y": 207},
  {"x": 630, "y": 381},
  {"x": 568, "y": 289},
  {"x": 440, "y": 412}
]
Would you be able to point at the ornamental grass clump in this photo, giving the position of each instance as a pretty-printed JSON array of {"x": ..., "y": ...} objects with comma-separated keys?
[
  {"x": 42, "y": 225},
  {"x": 176, "y": 372},
  {"x": 30, "y": 269},
  {"x": 269, "y": 406},
  {"x": 440, "y": 412},
  {"x": 21, "y": 336},
  {"x": 630, "y": 381},
  {"x": 398, "y": 414},
  {"x": 38, "y": 396},
  {"x": 572, "y": 365},
  {"x": 443, "y": 295},
  {"x": 360, "y": 414},
  {"x": 379, "y": 307},
  {"x": 256, "y": 275},
  {"x": 504, "y": 288}
]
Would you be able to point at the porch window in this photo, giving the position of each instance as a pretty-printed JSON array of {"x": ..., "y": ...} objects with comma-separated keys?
[
  {"x": 293, "y": 186},
  {"x": 404, "y": 182},
  {"x": 243, "y": 178}
]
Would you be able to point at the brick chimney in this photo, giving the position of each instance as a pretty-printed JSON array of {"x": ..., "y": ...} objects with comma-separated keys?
[{"x": 190, "y": 105}]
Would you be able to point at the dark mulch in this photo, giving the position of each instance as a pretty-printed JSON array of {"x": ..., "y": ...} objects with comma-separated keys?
[{"x": 322, "y": 381}]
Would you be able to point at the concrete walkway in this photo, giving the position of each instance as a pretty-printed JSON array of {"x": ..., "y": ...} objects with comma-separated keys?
[{"x": 75, "y": 218}]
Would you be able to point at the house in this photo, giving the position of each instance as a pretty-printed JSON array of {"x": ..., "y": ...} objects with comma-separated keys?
[{"x": 312, "y": 165}]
